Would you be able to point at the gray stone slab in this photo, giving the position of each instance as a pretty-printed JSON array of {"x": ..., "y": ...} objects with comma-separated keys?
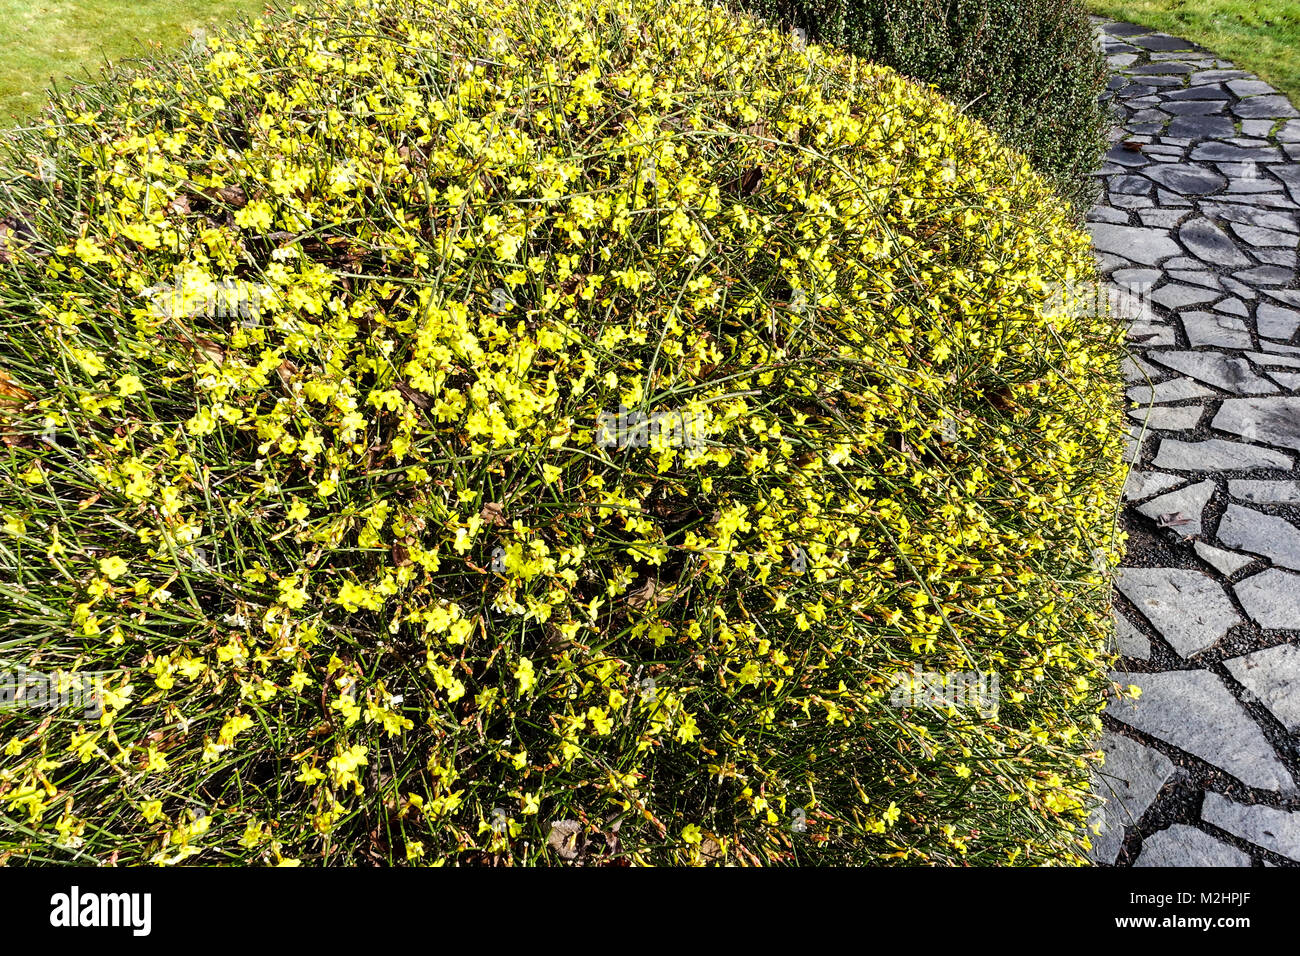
[
  {"x": 1135, "y": 370},
  {"x": 1265, "y": 106},
  {"x": 1147, "y": 246},
  {"x": 1275, "y": 256},
  {"x": 1240, "y": 288},
  {"x": 1180, "y": 510},
  {"x": 1273, "y": 676},
  {"x": 1265, "y": 200},
  {"x": 1195, "y": 93},
  {"x": 1151, "y": 333},
  {"x": 1129, "y": 781},
  {"x": 1285, "y": 296},
  {"x": 1214, "y": 368},
  {"x": 1268, "y": 535},
  {"x": 1161, "y": 218},
  {"x": 1170, "y": 68},
  {"x": 1218, "y": 455},
  {"x": 1170, "y": 418},
  {"x": 1129, "y": 641},
  {"x": 1255, "y": 236},
  {"x": 1272, "y": 829},
  {"x": 1213, "y": 126},
  {"x": 1244, "y": 88},
  {"x": 1144, "y": 484},
  {"x": 1108, "y": 263},
  {"x": 1274, "y": 421},
  {"x": 1189, "y": 609},
  {"x": 1275, "y": 321},
  {"x": 1130, "y": 185},
  {"x": 1174, "y": 295},
  {"x": 1263, "y": 218},
  {"x": 1203, "y": 77},
  {"x": 1223, "y": 153},
  {"x": 1135, "y": 280},
  {"x": 1162, "y": 42},
  {"x": 1272, "y": 599},
  {"x": 1278, "y": 348},
  {"x": 1268, "y": 359},
  {"x": 1107, "y": 214},
  {"x": 1213, "y": 329},
  {"x": 1207, "y": 242},
  {"x": 1238, "y": 187},
  {"x": 1194, "y": 711},
  {"x": 1226, "y": 563},
  {"x": 1264, "y": 492},
  {"x": 1125, "y": 157},
  {"x": 1267, "y": 275},
  {"x": 1181, "y": 845},
  {"x": 1207, "y": 279},
  {"x": 1174, "y": 390},
  {"x": 1193, "y": 107}
]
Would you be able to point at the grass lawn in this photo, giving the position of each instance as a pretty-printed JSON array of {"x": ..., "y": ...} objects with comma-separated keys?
[
  {"x": 1258, "y": 35},
  {"x": 40, "y": 39}
]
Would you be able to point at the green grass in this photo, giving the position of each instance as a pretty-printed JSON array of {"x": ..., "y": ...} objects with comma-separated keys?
[
  {"x": 44, "y": 39},
  {"x": 1258, "y": 35}
]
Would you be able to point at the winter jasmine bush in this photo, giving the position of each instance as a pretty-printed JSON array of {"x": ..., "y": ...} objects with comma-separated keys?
[
  {"x": 1031, "y": 69},
  {"x": 311, "y": 346}
]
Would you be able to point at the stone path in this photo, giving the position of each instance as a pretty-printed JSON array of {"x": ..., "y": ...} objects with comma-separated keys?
[{"x": 1199, "y": 225}]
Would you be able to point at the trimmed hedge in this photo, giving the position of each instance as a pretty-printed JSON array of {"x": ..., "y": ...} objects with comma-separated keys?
[
  {"x": 313, "y": 347},
  {"x": 1029, "y": 68}
]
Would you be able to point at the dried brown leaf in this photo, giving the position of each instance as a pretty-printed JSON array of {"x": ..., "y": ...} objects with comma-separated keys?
[{"x": 566, "y": 839}]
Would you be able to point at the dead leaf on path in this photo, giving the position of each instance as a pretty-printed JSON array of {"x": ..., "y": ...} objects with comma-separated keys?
[
  {"x": 566, "y": 839},
  {"x": 711, "y": 850}
]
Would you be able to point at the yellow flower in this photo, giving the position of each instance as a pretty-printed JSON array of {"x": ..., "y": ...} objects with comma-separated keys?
[
  {"x": 525, "y": 675},
  {"x": 113, "y": 567}
]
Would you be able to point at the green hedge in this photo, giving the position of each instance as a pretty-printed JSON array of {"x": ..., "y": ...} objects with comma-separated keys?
[{"x": 1027, "y": 68}]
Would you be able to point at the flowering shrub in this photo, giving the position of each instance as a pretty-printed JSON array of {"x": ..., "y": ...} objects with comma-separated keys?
[
  {"x": 1031, "y": 69},
  {"x": 330, "y": 354}
]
